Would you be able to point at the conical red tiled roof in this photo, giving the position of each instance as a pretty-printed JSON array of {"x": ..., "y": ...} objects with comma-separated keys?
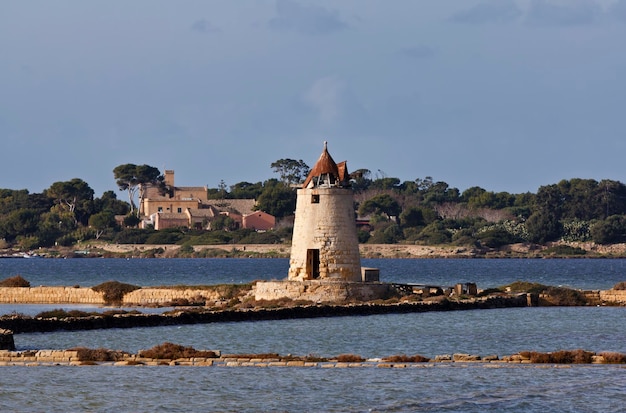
[{"x": 325, "y": 165}]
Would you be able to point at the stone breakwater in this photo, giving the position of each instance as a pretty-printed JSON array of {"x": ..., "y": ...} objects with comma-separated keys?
[
  {"x": 73, "y": 358},
  {"x": 307, "y": 290},
  {"x": 82, "y": 295},
  {"x": 165, "y": 295},
  {"x": 26, "y": 325}
]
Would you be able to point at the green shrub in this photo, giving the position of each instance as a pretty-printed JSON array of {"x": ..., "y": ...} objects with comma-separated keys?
[
  {"x": 28, "y": 243},
  {"x": 66, "y": 240},
  {"x": 564, "y": 250},
  {"x": 611, "y": 230},
  {"x": 576, "y": 230},
  {"x": 363, "y": 236},
  {"x": 497, "y": 237},
  {"x": 131, "y": 221},
  {"x": 186, "y": 249},
  {"x": 268, "y": 237},
  {"x": 211, "y": 238},
  {"x": 435, "y": 233},
  {"x": 114, "y": 291},
  {"x": 16, "y": 281},
  {"x": 166, "y": 236},
  {"x": 133, "y": 236}
]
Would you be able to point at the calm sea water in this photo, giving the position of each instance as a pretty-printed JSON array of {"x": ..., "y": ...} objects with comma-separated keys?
[
  {"x": 443, "y": 388},
  {"x": 440, "y": 388},
  {"x": 577, "y": 273}
]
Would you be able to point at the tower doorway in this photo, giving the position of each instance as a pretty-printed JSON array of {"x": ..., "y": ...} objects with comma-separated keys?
[{"x": 313, "y": 263}]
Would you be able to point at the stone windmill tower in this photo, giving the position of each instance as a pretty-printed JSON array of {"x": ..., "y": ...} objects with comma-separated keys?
[{"x": 325, "y": 244}]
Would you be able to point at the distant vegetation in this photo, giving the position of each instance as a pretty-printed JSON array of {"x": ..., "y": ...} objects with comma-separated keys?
[{"x": 421, "y": 211}]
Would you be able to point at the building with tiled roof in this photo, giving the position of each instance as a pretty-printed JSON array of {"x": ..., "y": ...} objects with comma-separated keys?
[
  {"x": 188, "y": 206},
  {"x": 240, "y": 206}
]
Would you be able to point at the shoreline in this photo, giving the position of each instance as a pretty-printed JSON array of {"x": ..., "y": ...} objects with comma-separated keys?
[
  {"x": 48, "y": 358},
  {"x": 392, "y": 251}
]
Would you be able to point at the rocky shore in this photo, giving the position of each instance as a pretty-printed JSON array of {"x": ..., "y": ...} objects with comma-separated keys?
[{"x": 215, "y": 358}]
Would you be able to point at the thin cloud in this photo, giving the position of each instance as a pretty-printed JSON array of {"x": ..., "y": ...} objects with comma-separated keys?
[
  {"x": 335, "y": 106},
  {"x": 572, "y": 13},
  {"x": 314, "y": 20},
  {"x": 494, "y": 11},
  {"x": 204, "y": 26},
  {"x": 326, "y": 96},
  {"x": 418, "y": 52},
  {"x": 618, "y": 10}
]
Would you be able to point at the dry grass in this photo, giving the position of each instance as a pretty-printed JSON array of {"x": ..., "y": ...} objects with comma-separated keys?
[
  {"x": 195, "y": 301},
  {"x": 560, "y": 357},
  {"x": 403, "y": 358},
  {"x": 620, "y": 286},
  {"x": 172, "y": 351},
  {"x": 262, "y": 356},
  {"x": 16, "y": 281},
  {"x": 283, "y": 302},
  {"x": 613, "y": 357},
  {"x": 524, "y": 287},
  {"x": 60, "y": 314},
  {"x": 349, "y": 358},
  {"x": 230, "y": 291},
  {"x": 114, "y": 291},
  {"x": 90, "y": 356},
  {"x": 564, "y": 297}
]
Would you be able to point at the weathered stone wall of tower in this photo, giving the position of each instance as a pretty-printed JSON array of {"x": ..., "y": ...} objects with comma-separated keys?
[{"x": 325, "y": 222}]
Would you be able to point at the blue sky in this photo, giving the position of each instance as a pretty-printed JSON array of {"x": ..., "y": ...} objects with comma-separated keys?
[{"x": 507, "y": 95}]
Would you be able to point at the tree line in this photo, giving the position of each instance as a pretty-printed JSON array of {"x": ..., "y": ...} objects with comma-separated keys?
[{"x": 422, "y": 211}]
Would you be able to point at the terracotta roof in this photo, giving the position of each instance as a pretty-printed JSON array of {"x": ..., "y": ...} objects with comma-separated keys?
[
  {"x": 344, "y": 176},
  {"x": 152, "y": 192},
  {"x": 242, "y": 206},
  {"x": 205, "y": 212},
  {"x": 325, "y": 165}
]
